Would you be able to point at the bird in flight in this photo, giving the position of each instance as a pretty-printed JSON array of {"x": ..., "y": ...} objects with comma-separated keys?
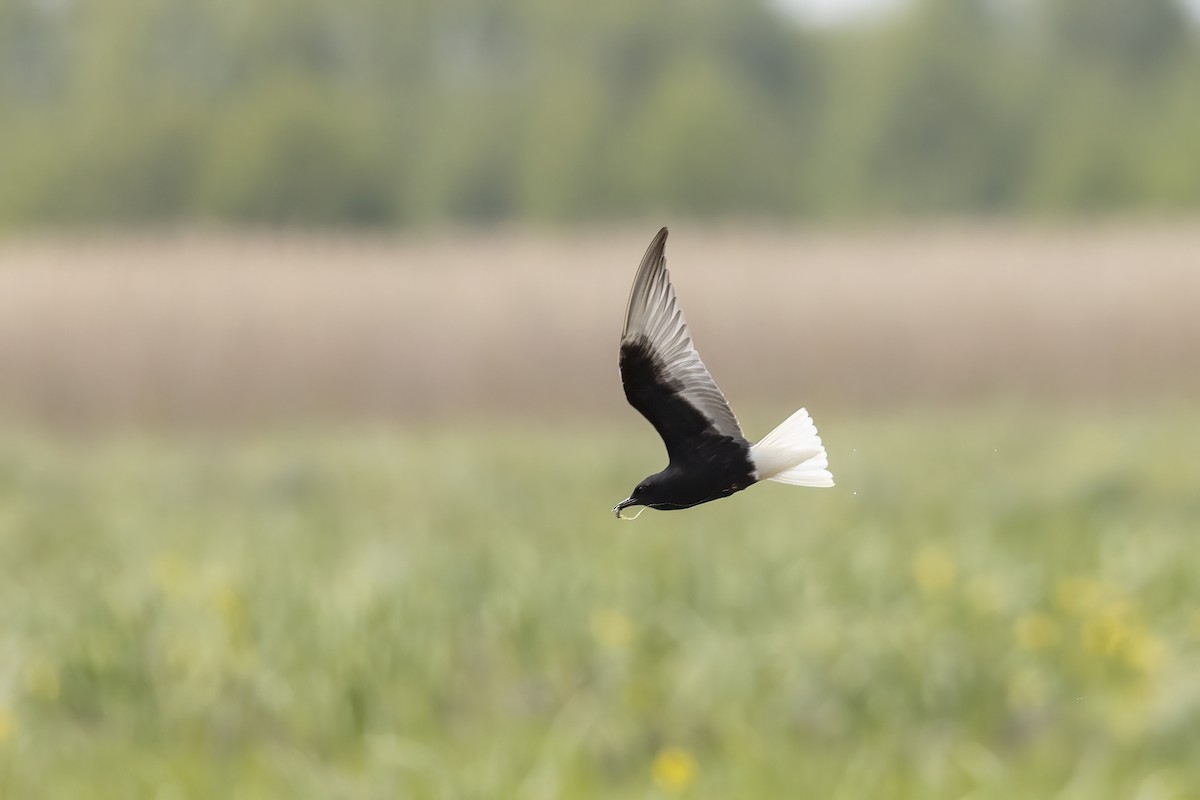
[{"x": 667, "y": 382}]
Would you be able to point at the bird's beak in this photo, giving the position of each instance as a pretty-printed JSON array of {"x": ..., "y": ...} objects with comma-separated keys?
[{"x": 624, "y": 504}]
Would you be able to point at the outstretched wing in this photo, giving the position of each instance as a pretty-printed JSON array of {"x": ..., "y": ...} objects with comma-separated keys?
[{"x": 663, "y": 375}]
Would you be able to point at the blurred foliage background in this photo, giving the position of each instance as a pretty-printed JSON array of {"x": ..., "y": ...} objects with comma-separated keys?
[
  {"x": 365, "y": 113},
  {"x": 310, "y": 419}
]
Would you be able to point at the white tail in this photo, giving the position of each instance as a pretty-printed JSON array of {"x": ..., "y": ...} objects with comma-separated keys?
[{"x": 792, "y": 453}]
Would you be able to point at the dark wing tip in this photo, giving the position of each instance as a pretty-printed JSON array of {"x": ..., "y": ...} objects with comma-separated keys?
[
  {"x": 659, "y": 239},
  {"x": 657, "y": 243}
]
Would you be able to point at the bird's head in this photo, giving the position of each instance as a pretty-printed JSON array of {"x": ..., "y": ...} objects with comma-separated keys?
[{"x": 644, "y": 494}]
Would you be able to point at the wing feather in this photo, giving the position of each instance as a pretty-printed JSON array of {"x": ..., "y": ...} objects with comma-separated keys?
[{"x": 663, "y": 375}]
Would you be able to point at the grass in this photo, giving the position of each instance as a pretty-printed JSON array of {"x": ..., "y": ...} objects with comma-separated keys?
[{"x": 989, "y": 605}]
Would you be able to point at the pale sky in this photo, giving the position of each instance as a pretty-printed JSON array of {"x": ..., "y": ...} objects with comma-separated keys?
[{"x": 833, "y": 12}]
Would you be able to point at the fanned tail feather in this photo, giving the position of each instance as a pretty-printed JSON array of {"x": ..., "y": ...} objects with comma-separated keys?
[{"x": 792, "y": 453}]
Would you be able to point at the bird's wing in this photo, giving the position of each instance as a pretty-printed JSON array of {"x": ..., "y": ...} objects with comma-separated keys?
[{"x": 663, "y": 375}]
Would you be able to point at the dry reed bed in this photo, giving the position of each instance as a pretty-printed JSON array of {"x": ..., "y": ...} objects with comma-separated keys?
[{"x": 209, "y": 329}]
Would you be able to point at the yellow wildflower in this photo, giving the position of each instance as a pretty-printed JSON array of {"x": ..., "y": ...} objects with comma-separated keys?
[
  {"x": 1144, "y": 651},
  {"x": 1105, "y": 633},
  {"x": 231, "y": 607},
  {"x": 8, "y": 725},
  {"x": 934, "y": 571},
  {"x": 1078, "y": 595},
  {"x": 612, "y": 629},
  {"x": 674, "y": 768},
  {"x": 1036, "y": 631}
]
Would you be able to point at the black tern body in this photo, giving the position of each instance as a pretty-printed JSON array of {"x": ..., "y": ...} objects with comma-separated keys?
[{"x": 667, "y": 382}]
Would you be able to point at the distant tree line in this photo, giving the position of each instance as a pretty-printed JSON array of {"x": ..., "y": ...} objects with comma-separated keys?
[{"x": 374, "y": 113}]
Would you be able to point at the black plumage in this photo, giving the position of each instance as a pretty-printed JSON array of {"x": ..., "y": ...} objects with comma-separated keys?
[{"x": 666, "y": 381}]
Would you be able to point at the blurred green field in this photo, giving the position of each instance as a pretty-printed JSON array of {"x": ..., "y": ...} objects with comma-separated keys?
[{"x": 991, "y": 604}]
